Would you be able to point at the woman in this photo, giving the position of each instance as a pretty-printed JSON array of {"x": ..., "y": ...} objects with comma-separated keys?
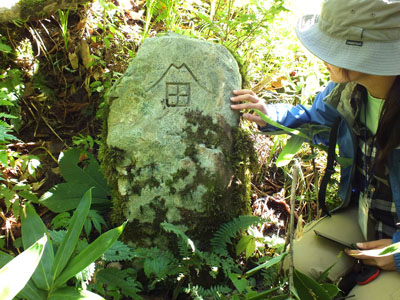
[{"x": 359, "y": 42}]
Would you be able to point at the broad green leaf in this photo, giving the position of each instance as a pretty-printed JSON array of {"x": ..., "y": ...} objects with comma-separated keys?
[
  {"x": 4, "y": 158},
  {"x": 280, "y": 297},
  {"x": 30, "y": 291},
  {"x": 33, "y": 228},
  {"x": 250, "y": 248},
  {"x": 266, "y": 265},
  {"x": 265, "y": 295},
  {"x": 292, "y": 146},
  {"x": 240, "y": 283},
  {"x": 324, "y": 275},
  {"x": 90, "y": 175},
  {"x": 392, "y": 249},
  {"x": 242, "y": 244},
  {"x": 15, "y": 274},
  {"x": 5, "y": 48},
  {"x": 331, "y": 289},
  {"x": 294, "y": 132},
  {"x": 89, "y": 254},
  {"x": 4, "y": 258},
  {"x": 308, "y": 288},
  {"x": 70, "y": 240},
  {"x": 66, "y": 196},
  {"x": 70, "y": 293}
]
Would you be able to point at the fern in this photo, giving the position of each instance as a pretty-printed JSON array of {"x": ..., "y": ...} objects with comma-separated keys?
[
  {"x": 230, "y": 230},
  {"x": 122, "y": 279},
  {"x": 118, "y": 252},
  {"x": 185, "y": 244},
  {"x": 215, "y": 292}
]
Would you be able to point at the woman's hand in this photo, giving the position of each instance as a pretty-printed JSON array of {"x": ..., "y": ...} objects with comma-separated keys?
[
  {"x": 385, "y": 262},
  {"x": 246, "y": 99}
]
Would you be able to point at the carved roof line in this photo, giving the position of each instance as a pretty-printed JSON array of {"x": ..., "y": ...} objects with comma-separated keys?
[{"x": 176, "y": 67}]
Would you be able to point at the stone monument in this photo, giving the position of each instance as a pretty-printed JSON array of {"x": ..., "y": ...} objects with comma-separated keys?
[{"x": 172, "y": 142}]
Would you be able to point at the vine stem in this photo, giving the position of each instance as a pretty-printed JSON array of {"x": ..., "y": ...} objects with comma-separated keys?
[{"x": 296, "y": 169}]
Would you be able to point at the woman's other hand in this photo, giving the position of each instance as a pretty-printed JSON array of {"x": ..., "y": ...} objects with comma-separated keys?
[
  {"x": 246, "y": 99},
  {"x": 385, "y": 262}
]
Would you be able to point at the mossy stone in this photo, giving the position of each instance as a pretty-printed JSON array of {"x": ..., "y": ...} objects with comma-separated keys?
[{"x": 181, "y": 157}]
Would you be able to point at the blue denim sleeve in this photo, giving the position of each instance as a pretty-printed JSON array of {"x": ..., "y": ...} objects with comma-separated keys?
[{"x": 396, "y": 239}]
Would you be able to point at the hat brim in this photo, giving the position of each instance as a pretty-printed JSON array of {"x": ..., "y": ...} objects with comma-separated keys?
[{"x": 370, "y": 57}]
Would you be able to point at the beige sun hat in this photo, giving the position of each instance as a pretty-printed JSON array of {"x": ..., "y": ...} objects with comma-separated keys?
[{"x": 359, "y": 35}]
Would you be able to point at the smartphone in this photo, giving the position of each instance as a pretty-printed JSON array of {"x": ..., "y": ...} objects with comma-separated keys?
[{"x": 335, "y": 240}]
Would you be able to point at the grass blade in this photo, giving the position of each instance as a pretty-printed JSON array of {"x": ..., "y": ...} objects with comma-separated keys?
[
  {"x": 89, "y": 254},
  {"x": 15, "y": 274},
  {"x": 71, "y": 293},
  {"x": 69, "y": 242},
  {"x": 33, "y": 228}
]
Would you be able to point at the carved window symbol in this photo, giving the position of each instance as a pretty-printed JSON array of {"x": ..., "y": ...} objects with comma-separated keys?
[{"x": 178, "y": 94}]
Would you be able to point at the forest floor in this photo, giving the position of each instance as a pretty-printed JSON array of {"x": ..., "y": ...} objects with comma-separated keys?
[
  {"x": 69, "y": 64},
  {"x": 64, "y": 88}
]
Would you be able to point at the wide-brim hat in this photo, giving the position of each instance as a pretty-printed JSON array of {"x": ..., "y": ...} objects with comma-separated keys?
[{"x": 359, "y": 35}]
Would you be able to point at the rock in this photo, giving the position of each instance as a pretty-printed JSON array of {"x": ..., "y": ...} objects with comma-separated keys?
[{"x": 172, "y": 131}]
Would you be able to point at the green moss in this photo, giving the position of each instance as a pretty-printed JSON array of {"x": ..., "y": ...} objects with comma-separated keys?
[
  {"x": 220, "y": 205},
  {"x": 31, "y": 7},
  {"x": 110, "y": 157}
]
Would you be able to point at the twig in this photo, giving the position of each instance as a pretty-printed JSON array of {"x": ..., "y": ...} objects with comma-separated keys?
[{"x": 291, "y": 223}]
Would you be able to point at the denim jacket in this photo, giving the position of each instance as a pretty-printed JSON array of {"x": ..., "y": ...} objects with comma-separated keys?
[{"x": 331, "y": 103}]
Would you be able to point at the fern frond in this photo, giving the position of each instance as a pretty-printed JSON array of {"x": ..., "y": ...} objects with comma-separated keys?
[
  {"x": 215, "y": 292},
  {"x": 118, "y": 252},
  {"x": 230, "y": 230},
  {"x": 184, "y": 242},
  {"x": 122, "y": 279}
]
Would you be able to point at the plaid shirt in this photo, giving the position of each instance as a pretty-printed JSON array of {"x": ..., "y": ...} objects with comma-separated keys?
[{"x": 374, "y": 181}]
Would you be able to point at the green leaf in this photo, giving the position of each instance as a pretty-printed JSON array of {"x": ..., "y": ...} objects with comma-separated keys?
[
  {"x": 4, "y": 158},
  {"x": 122, "y": 279},
  {"x": 28, "y": 195},
  {"x": 174, "y": 229},
  {"x": 89, "y": 254},
  {"x": 240, "y": 283},
  {"x": 242, "y": 244},
  {"x": 265, "y": 294},
  {"x": 331, "y": 289},
  {"x": 15, "y": 274},
  {"x": 32, "y": 229},
  {"x": 5, "y": 48},
  {"x": 251, "y": 247},
  {"x": 294, "y": 132},
  {"x": 66, "y": 196},
  {"x": 70, "y": 293},
  {"x": 96, "y": 219},
  {"x": 118, "y": 252},
  {"x": 69, "y": 242},
  {"x": 266, "y": 265},
  {"x": 292, "y": 146},
  {"x": 308, "y": 288},
  {"x": 30, "y": 291},
  {"x": 4, "y": 258},
  {"x": 392, "y": 249},
  {"x": 90, "y": 175}
]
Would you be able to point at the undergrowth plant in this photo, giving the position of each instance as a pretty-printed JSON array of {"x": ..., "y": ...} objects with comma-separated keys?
[
  {"x": 65, "y": 256},
  {"x": 81, "y": 171}
]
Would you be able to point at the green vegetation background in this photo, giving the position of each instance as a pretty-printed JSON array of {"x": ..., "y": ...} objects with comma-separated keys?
[{"x": 55, "y": 73}]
